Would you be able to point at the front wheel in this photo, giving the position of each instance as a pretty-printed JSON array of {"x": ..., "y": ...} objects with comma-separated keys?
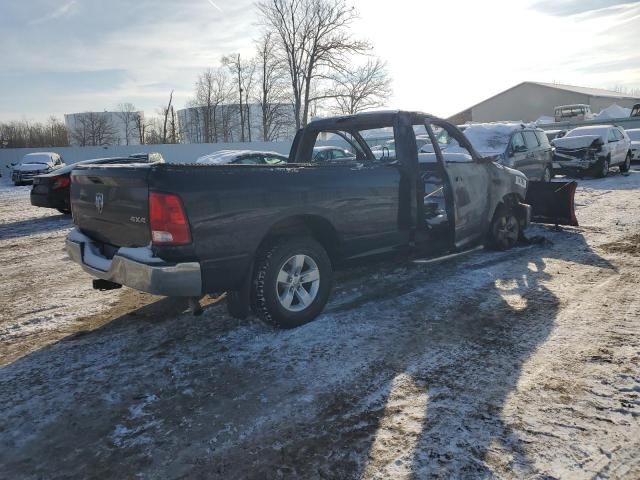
[
  {"x": 626, "y": 166},
  {"x": 505, "y": 229},
  {"x": 292, "y": 282},
  {"x": 603, "y": 168}
]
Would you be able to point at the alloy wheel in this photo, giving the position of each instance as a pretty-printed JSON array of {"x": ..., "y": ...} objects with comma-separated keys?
[{"x": 298, "y": 283}]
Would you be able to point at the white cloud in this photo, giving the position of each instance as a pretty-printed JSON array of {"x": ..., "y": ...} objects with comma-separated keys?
[{"x": 57, "y": 13}]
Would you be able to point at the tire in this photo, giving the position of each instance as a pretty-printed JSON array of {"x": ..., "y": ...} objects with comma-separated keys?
[
  {"x": 505, "y": 229},
  {"x": 602, "y": 169},
  {"x": 626, "y": 166},
  {"x": 64, "y": 211},
  {"x": 547, "y": 175},
  {"x": 278, "y": 278}
]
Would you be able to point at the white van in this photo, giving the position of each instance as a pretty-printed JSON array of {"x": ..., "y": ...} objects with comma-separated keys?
[{"x": 565, "y": 113}]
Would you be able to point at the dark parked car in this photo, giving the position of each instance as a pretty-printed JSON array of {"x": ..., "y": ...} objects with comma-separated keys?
[
  {"x": 271, "y": 236},
  {"x": 516, "y": 145},
  {"x": 52, "y": 190}
]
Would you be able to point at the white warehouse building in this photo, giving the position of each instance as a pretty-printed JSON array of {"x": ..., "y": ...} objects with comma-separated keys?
[
  {"x": 529, "y": 101},
  {"x": 104, "y": 128}
]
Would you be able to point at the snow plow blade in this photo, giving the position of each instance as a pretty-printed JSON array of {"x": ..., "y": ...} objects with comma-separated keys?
[{"x": 553, "y": 202}]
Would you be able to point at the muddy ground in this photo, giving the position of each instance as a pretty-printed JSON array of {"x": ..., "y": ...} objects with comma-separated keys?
[{"x": 521, "y": 364}]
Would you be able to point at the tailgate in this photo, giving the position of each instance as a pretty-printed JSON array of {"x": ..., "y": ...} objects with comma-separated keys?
[{"x": 111, "y": 203}]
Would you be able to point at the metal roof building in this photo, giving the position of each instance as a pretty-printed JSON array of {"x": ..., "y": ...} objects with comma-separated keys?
[{"x": 528, "y": 101}]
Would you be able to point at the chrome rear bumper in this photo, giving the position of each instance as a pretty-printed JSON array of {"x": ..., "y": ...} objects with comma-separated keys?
[{"x": 149, "y": 275}]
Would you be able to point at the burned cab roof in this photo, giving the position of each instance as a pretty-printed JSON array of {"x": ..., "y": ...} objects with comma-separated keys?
[{"x": 372, "y": 119}]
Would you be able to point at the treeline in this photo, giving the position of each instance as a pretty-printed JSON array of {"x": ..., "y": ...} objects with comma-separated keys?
[{"x": 25, "y": 134}]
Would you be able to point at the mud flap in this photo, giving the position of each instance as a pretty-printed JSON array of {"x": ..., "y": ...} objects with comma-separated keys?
[{"x": 553, "y": 202}]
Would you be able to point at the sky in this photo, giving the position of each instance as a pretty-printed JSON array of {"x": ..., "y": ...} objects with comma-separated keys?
[{"x": 67, "y": 56}]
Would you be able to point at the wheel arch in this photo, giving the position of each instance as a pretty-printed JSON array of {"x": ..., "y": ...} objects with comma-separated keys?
[{"x": 315, "y": 226}]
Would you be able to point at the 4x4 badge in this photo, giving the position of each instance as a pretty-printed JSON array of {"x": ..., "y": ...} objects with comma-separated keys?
[{"x": 99, "y": 202}]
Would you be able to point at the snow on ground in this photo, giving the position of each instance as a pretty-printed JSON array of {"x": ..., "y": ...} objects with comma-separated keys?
[{"x": 496, "y": 364}]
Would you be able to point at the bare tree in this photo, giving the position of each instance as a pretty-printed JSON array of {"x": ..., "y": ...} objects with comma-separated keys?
[
  {"x": 141, "y": 126},
  {"x": 166, "y": 111},
  {"x": 273, "y": 95},
  {"x": 154, "y": 131},
  {"x": 212, "y": 90},
  {"x": 174, "y": 131},
  {"x": 237, "y": 68},
  {"x": 248, "y": 85},
  {"x": 361, "y": 88},
  {"x": 314, "y": 36},
  {"x": 127, "y": 114},
  {"x": 93, "y": 129},
  {"x": 23, "y": 134}
]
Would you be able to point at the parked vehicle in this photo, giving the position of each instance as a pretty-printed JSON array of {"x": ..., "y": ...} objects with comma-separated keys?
[
  {"x": 328, "y": 153},
  {"x": 593, "y": 150},
  {"x": 242, "y": 157},
  {"x": 564, "y": 113},
  {"x": 634, "y": 136},
  {"x": 272, "y": 235},
  {"x": 52, "y": 189},
  {"x": 33, "y": 164},
  {"x": 553, "y": 134},
  {"x": 388, "y": 148},
  {"x": 515, "y": 145}
]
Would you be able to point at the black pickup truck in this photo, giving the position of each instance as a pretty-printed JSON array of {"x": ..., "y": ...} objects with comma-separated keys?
[{"x": 271, "y": 236}]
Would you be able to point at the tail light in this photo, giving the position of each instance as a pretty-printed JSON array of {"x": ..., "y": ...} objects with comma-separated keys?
[
  {"x": 61, "y": 182},
  {"x": 167, "y": 219}
]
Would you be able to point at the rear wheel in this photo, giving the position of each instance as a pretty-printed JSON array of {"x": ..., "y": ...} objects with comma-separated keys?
[
  {"x": 505, "y": 228},
  {"x": 292, "y": 282},
  {"x": 626, "y": 166}
]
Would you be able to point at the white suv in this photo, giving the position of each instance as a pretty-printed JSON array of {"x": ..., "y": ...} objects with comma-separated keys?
[
  {"x": 592, "y": 150},
  {"x": 634, "y": 135}
]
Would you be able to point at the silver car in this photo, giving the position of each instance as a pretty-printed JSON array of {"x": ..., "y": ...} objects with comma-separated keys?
[{"x": 593, "y": 150}]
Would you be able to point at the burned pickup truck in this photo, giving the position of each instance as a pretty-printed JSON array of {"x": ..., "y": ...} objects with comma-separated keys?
[{"x": 271, "y": 236}]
